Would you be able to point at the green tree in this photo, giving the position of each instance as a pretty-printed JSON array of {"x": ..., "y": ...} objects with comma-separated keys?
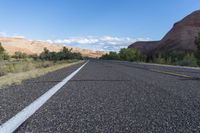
[
  {"x": 130, "y": 54},
  {"x": 159, "y": 59},
  {"x": 111, "y": 56},
  {"x": 20, "y": 55},
  {"x": 45, "y": 54},
  {"x": 197, "y": 42},
  {"x": 3, "y": 54},
  {"x": 188, "y": 60},
  {"x": 64, "y": 54},
  {"x": 2, "y": 50},
  {"x": 34, "y": 56}
]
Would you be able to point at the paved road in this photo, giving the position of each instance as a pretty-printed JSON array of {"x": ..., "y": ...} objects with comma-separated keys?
[{"x": 110, "y": 96}]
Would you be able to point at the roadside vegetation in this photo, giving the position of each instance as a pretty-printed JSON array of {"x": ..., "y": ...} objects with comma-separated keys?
[
  {"x": 124, "y": 54},
  {"x": 197, "y": 54},
  {"x": 20, "y": 66},
  {"x": 174, "y": 58}
]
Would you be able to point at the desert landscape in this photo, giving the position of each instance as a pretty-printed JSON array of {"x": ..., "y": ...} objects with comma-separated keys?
[
  {"x": 14, "y": 44},
  {"x": 99, "y": 66}
]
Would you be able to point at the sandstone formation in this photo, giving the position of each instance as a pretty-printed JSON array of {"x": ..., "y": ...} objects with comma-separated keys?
[
  {"x": 179, "y": 39},
  {"x": 145, "y": 47}
]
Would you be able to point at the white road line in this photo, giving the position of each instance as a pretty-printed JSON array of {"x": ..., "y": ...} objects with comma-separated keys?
[{"x": 12, "y": 124}]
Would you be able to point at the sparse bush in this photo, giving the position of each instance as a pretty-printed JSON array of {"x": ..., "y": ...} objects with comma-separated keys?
[
  {"x": 188, "y": 60},
  {"x": 159, "y": 59},
  {"x": 77, "y": 56},
  {"x": 44, "y": 64},
  {"x": 125, "y": 54},
  {"x": 64, "y": 54},
  {"x": 23, "y": 66},
  {"x": 2, "y": 72},
  {"x": 21, "y": 62},
  {"x": 34, "y": 56},
  {"x": 111, "y": 56},
  {"x": 174, "y": 56},
  {"x": 3, "y": 54},
  {"x": 45, "y": 54},
  {"x": 20, "y": 55}
]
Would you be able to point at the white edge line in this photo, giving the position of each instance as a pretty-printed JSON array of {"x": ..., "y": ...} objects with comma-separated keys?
[
  {"x": 172, "y": 66},
  {"x": 162, "y": 65},
  {"x": 12, "y": 124}
]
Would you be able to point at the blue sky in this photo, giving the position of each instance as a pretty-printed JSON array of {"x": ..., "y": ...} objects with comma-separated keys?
[{"x": 94, "y": 24}]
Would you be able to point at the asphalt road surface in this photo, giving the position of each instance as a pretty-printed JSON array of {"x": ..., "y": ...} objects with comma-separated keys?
[{"x": 110, "y": 97}]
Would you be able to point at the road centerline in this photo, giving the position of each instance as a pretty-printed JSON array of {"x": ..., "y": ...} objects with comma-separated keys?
[
  {"x": 171, "y": 73},
  {"x": 12, "y": 124}
]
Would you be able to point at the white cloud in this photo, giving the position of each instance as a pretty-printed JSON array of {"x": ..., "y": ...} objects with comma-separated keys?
[
  {"x": 21, "y": 37},
  {"x": 49, "y": 41},
  {"x": 106, "y": 43},
  {"x": 3, "y": 34}
]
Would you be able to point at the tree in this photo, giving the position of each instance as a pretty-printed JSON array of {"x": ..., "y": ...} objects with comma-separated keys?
[
  {"x": 3, "y": 54},
  {"x": 159, "y": 59},
  {"x": 45, "y": 54},
  {"x": 130, "y": 54},
  {"x": 111, "y": 56},
  {"x": 2, "y": 50},
  {"x": 197, "y": 42},
  {"x": 34, "y": 56},
  {"x": 188, "y": 60},
  {"x": 20, "y": 55},
  {"x": 64, "y": 54}
]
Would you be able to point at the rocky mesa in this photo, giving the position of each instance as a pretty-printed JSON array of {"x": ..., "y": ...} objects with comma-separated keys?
[
  {"x": 180, "y": 38},
  {"x": 15, "y": 44}
]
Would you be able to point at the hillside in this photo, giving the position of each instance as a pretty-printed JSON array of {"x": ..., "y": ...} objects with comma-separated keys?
[
  {"x": 180, "y": 38},
  {"x": 36, "y": 47},
  {"x": 145, "y": 47}
]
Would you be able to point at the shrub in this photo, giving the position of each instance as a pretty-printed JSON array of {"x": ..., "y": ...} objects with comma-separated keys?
[
  {"x": 159, "y": 59},
  {"x": 64, "y": 54},
  {"x": 45, "y": 54},
  {"x": 3, "y": 54},
  {"x": 130, "y": 54},
  {"x": 125, "y": 54},
  {"x": 34, "y": 56},
  {"x": 188, "y": 60},
  {"x": 111, "y": 56},
  {"x": 174, "y": 56},
  {"x": 20, "y": 55}
]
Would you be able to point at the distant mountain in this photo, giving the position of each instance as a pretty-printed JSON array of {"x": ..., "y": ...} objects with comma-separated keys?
[
  {"x": 13, "y": 45},
  {"x": 180, "y": 38}
]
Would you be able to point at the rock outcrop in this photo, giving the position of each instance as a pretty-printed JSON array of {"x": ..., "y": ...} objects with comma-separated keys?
[
  {"x": 145, "y": 47},
  {"x": 179, "y": 39}
]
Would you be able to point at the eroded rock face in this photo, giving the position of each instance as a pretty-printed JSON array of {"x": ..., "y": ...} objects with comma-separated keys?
[
  {"x": 180, "y": 38},
  {"x": 145, "y": 47},
  {"x": 13, "y": 45}
]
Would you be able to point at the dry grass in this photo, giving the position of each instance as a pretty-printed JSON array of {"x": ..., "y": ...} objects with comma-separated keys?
[{"x": 17, "y": 78}]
